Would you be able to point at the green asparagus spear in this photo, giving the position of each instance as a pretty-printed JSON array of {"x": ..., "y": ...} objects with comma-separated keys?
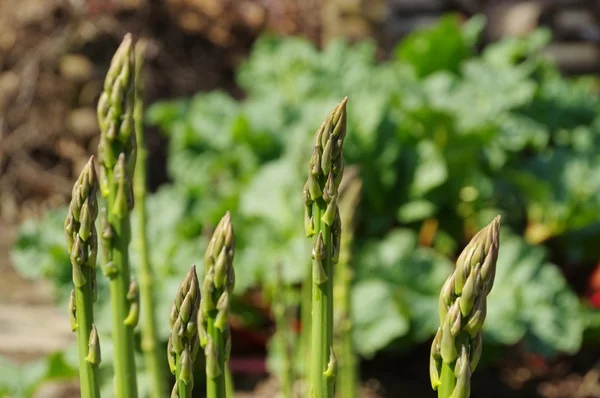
[
  {"x": 117, "y": 155},
  {"x": 456, "y": 348},
  {"x": 213, "y": 316},
  {"x": 322, "y": 222},
  {"x": 283, "y": 334},
  {"x": 350, "y": 191},
  {"x": 153, "y": 357},
  {"x": 303, "y": 365},
  {"x": 183, "y": 341},
  {"x": 82, "y": 242}
]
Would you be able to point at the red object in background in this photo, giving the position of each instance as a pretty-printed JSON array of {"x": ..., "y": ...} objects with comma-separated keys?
[
  {"x": 248, "y": 366},
  {"x": 99, "y": 6},
  {"x": 594, "y": 299},
  {"x": 593, "y": 288}
]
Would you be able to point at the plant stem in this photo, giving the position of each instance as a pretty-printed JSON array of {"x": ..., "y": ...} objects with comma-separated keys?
[
  {"x": 125, "y": 373},
  {"x": 448, "y": 381},
  {"x": 183, "y": 390},
  {"x": 215, "y": 385},
  {"x": 322, "y": 222},
  {"x": 302, "y": 367},
  {"x": 279, "y": 305},
  {"x": 82, "y": 241},
  {"x": 116, "y": 152},
  {"x": 152, "y": 355},
  {"x": 322, "y": 311},
  {"x": 229, "y": 386},
  {"x": 348, "y": 374},
  {"x": 89, "y": 379},
  {"x": 213, "y": 317},
  {"x": 348, "y": 378}
]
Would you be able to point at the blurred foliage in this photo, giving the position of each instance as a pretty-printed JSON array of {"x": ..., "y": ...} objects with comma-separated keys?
[{"x": 445, "y": 139}]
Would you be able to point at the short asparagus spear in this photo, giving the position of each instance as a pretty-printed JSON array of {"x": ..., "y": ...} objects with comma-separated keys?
[
  {"x": 348, "y": 378},
  {"x": 322, "y": 222},
  {"x": 183, "y": 341},
  {"x": 117, "y": 155},
  {"x": 213, "y": 316},
  {"x": 82, "y": 242},
  {"x": 456, "y": 348},
  {"x": 153, "y": 355}
]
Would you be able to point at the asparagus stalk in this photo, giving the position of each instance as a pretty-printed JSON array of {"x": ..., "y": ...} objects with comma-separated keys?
[
  {"x": 218, "y": 285},
  {"x": 350, "y": 191},
  {"x": 322, "y": 222},
  {"x": 117, "y": 154},
  {"x": 82, "y": 242},
  {"x": 457, "y": 345},
  {"x": 229, "y": 386},
  {"x": 183, "y": 341},
  {"x": 150, "y": 347},
  {"x": 302, "y": 368},
  {"x": 284, "y": 339}
]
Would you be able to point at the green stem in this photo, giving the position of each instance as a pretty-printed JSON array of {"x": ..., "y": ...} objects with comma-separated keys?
[
  {"x": 282, "y": 333},
  {"x": 126, "y": 383},
  {"x": 306, "y": 317},
  {"x": 215, "y": 386},
  {"x": 448, "y": 381},
  {"x": 322, "y": 312},
  {"x": 229, "y": 386},
  {"x": 150, "y": 346},
  {"x": 348, "y": 374},
  {"x": 184, "y": 390},
  {"x": 88, "y": 376}
]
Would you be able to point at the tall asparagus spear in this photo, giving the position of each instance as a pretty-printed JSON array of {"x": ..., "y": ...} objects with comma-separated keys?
[
  {"x": 117, "y": 154},
  {"x": 322, "y": 222},
  {"x": 183, "y": 340},
  {"x": 456, "y": 348},
  {"x": 82, "y": 242},
  {"x": 350, "y": 191},
  {"x": 152, "y": 354},
  {"x": 213, "y": 316}
]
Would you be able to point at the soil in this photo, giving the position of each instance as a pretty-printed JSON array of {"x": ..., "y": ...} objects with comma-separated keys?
[{"x": 53, "y": 57}]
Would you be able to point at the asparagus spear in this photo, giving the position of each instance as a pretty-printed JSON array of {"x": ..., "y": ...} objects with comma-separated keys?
[
  {"x": 350, "y": 191},
  {"x": 82, "y": 242},
  {"x": 283, "y": 335},
  {"x": 150, "y": 347},
  {"x": 302, "y": 367},
  {"x": 183, "y": 341},
  {"x": 456, "y": 348},
  {"x": 117, "y": 154},
  {"x": 322, "y": 222},
  {"x": 218, "y": 285}
]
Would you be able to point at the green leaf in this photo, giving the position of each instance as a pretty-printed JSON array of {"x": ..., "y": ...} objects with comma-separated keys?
[
  {"x": 531, "y": 300},
  {"x": 415, "y": 211},
  {"x": 411, "y": 276},
  {"x": 431, "y": 170},
  {"x": 377, "y": 320},
  {"x": 272, "y": 205},
  {"x": 440, "y": 47}
]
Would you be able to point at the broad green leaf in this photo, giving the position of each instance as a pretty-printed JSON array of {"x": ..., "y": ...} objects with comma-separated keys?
[
  {"x": 377, "y": 320},
  {"x": 531, "y": 300}
]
